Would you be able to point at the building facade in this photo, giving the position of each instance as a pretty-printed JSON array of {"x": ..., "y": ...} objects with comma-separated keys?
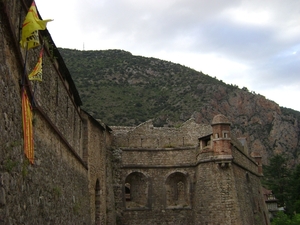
[
  {"x": 195, "y": 174},
  {"x": 85, "y": 172}
]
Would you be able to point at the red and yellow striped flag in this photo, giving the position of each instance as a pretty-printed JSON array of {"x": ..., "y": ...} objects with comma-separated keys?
[
  {"x": 30, "y": 27},
  {"x": 27, "y": 127},
  {"x": 36, "y": 73}
]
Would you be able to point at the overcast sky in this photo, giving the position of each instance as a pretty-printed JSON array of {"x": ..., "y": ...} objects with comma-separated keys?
[{"x": 253, "y": 44}]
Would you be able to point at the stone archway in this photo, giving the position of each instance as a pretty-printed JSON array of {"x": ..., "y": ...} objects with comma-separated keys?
[
  {"x": 136, "y": 190},
  {"x": 177, "y": 190}
]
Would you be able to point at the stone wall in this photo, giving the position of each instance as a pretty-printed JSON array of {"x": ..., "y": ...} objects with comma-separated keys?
[
  {"x": 244, "y": 160},
  {"x": 96, "y": 143},
  {"x": 211, "y": 180},
  {"x": 249, "y": 195},
  {"x": 215, "y": 195},
  {"x": 147, "y": 136},
  {"x": 162, "y": 202},
  {"x": 67, "y": 182},
  {"x": 174, "y": 157},
  {"x": 86, "y": 173}
]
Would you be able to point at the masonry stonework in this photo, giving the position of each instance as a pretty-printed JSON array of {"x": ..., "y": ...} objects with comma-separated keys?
[
  {"x": 85, "y": 172},
  {"x": 210, "y": 179},
  {"x": 67, "y": 182}
]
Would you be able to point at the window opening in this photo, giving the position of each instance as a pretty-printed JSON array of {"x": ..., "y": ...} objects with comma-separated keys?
[{"x": 127, "y": 192}]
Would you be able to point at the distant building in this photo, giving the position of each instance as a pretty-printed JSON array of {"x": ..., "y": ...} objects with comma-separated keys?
[{"x": 271, "y": 202}]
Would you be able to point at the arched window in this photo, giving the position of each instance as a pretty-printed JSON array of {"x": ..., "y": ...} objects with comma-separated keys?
[
  {"x": 177, "y": 191},
  {"x": 127, "y": 192},
  {"x": 136, "y": 189}
]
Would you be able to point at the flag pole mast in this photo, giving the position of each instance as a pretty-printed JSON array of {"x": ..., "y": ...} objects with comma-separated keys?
[{"x": 24, "y": 71}]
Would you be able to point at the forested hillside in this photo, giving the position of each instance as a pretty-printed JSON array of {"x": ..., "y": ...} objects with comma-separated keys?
[{"x": 122, "y": 89}]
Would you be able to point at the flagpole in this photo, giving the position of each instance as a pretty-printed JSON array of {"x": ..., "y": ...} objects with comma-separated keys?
[
  {"x": 24, "y": 72},
  {"x": 32, "y": 101}
]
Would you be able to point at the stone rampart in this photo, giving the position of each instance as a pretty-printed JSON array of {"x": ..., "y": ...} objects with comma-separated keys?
[
  {"x": 209, "y": 181},
  {"x": 67, "y": 182},
  {"x": 165, "y": 157},
  {"x": 147, "y": 136},
  {"x": 86, "y": 173},
  {"x": 244, "y": 160}
]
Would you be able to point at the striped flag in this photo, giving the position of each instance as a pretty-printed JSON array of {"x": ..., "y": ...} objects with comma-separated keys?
[
  {"x": 27, "y": 127},
  {"x": 36, "y": 73}
]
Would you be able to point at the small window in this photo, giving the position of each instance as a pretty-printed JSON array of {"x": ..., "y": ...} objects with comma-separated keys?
[
  {"x": 127, "y": 192},
  {"x": 225, "y": 134}
]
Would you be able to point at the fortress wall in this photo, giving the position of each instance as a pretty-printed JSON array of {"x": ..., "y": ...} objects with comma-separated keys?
[
  {"x": 159, "y": 207},
  {"x": 96, "y": 138},
  {"x": 54, "y": 98},
  {"x": 159, "y": 157},
  {"x": 55, "y": 189},
  {"x": 215, "y": 195},
  {"x": 147, "y": 136},
  {"x": 250, "y": 197},
  {"x": 242, "y": 159}
]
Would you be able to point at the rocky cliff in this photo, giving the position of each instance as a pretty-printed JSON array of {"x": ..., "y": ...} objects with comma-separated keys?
[{"x": 268, "y": 128}]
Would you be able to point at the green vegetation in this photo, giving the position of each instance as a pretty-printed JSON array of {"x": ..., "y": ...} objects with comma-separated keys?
[
  {"x": 122, "y": 89},
  {"x": 284, "y": 181},
  {"x": 277, "y": 175},
  {"x": 283, "y": 219}
]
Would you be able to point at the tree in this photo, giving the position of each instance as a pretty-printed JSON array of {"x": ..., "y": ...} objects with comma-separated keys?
[
  {"x": 276, "y": 178},
  {"x": 283, "y": 219},
  {"x": 294, "y": 192}
]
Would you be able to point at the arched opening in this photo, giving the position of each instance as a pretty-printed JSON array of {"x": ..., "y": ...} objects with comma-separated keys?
[
  {"x": 127, "y": 192},
  {"x": 177, "y": 191},
  {"x": 97, "y": 203},
  {"x": 136, "y": 191}
]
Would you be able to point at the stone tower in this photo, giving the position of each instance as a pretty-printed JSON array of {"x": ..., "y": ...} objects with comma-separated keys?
[
  {"x": 224, "y": 178},
  {"x": 221, "y": 136}
]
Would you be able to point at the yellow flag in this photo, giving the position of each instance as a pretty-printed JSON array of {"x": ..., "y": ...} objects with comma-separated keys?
[
  {"x": 27, "y": 127},
  {"x": 36, "y": 73},
  {"x": 30, "y": 28}
]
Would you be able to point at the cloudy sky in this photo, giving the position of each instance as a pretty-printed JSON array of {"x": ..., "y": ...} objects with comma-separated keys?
[{"x": 250, "y": 43}]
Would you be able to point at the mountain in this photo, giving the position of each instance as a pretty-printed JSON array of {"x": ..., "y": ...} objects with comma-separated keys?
[{"x": 126, "y": 90}]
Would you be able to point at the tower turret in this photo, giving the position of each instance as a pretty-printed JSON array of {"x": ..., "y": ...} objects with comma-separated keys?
[{"x": 221, "y": 135}]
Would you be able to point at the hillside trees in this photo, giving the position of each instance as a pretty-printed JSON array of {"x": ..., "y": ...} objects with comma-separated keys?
[
  {"x": 277, "y": 177},
  {"x": 284, "y": 182}
]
